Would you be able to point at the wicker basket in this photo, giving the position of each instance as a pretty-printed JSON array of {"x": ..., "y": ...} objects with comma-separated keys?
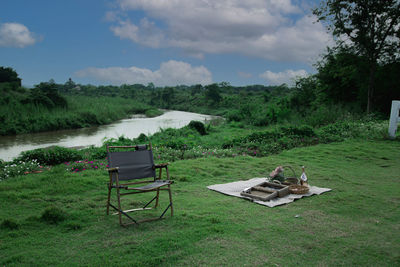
[
  {"x": 298, "y": 189},
  {"x": 290, "y": 181}
]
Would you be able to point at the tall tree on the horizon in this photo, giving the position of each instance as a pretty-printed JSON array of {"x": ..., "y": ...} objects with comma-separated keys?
[
  {"x": 371, "y": 28},
  {"x": 9, "y": 75}
]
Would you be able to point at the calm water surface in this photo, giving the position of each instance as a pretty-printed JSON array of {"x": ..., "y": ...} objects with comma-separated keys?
[{"x": 11, "y": 146}]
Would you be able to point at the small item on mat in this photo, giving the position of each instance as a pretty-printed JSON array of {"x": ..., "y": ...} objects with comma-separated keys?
[
  {"x": 266, "y": 191},
  {"x": 277, "y": 174},
  {"x": 303, "y": 177}
]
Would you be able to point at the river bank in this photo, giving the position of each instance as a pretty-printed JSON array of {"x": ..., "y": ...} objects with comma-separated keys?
[
  {"x": 12, "y": 146},
  {"x": 81, "y": 112}
]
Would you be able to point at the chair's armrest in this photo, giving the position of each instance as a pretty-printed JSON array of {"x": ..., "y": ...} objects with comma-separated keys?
[
  {"x": 162, "y": 165},
  {"x": 112, "y": 169}
]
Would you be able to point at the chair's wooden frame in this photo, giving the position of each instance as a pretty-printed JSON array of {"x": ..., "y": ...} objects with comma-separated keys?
[{"x": 137, "y": 190}]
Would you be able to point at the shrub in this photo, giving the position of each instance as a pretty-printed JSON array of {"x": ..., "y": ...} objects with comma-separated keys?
[
  {"x": 11, "y": 169},
  {"x": 234, "y": 115},
  {"x": 50, "y": 156},
  {"x": 273, "y": 141},
  {"x": 142, "y": 138},
  {"x": 93, "y": 152},
  {"x": 9, "y": 224},
  {"x": 150, "y": 113},
  {"x": 89, "y": 117},
  {"x": 198, "y": 126}
]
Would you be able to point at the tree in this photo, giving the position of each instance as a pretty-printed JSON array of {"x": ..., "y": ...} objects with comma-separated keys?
[
  {"x": 341, "y": 77},
  {"x": 212, "y": 93},
  {"x": 68, "y": 86},
  {"x": 47, "y": 94},
  {"x": 167, "y": 95},
  {"x": 196, "y": 89},
  {"x": 8, "y": 75},
  {"x": 369, "y": 27}
]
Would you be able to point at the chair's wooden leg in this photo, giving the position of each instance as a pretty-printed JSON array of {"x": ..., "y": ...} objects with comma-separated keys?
[
  {"x": 158, "y": 194},
  {"x": 159, "y": 174},
  {"x": 119, "y": 203},
  {"x": 158, "y": 190},
  {"x": 108, "y": 199},
  {"x": 170, "y": 200}
]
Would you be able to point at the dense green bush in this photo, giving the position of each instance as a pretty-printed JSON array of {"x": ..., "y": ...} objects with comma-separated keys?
[
  {"x": 264, "y": 137},
  {"x": 198, "y": 126},
  {"x": 50, "y": 156},
  {"x": 93, "y": 152},
  {"x": 15, "y": 168},
  {"x": 234, "y": 115},
  {"x": 153, "y": 112},
  {"x": 9, "y": 224},
  {"x": 262, "y": 143}
]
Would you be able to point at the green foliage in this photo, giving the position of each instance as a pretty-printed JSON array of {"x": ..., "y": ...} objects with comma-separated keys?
[
  {"x": 50, "y": 90},
  {"x": 268, "y": 142},
  {"x": 343, "y": 130},
  {"x": 198, "y": 126},
  {"x": 325, "y": 114},
  {"x": 82, "y": 111},
  {"x": 388, "y": 87},
  {"x": 340, "y": 85},
  {"x": 50, "y": 156},
  {"x": 47, "y": 95},
  {"x": 212, "y": 93},
  {"x": 9, "y": 224},
  {"x": 18, "y": 167},
  {"x": 153, "y": 112},
  {"x": 93, "y": 152},
  {"x": 8, "y": 75},
  {"x": 371, "y": 28}
]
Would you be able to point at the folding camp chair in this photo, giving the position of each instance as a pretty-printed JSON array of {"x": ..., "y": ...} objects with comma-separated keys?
[{"x": 129, "y": 168}]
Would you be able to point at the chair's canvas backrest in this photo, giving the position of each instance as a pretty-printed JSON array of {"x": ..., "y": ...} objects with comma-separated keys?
[{"x": 132, "y": 164}]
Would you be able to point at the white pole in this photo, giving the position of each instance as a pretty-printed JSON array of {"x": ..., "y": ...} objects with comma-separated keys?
[{"x": 394, "y": 118}]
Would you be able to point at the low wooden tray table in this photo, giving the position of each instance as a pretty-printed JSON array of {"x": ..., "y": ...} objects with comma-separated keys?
[{"x": 266, "y": 191}]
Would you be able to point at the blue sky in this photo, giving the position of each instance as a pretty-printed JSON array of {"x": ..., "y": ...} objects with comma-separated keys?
[{"x": 165, "y": 42}]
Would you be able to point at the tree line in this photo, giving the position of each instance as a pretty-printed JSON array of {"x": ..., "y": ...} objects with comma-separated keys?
[{"x": 358, "y": 75}]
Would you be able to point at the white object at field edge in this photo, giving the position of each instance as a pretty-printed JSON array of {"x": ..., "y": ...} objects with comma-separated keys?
[{"x": 394, "y": 118}]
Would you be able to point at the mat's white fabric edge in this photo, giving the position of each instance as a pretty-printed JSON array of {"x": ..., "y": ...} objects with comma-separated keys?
[{"x": 234, "y": 189}]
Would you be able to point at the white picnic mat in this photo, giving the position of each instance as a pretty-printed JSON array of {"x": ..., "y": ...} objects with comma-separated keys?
[{"x": 234, "y": 189}]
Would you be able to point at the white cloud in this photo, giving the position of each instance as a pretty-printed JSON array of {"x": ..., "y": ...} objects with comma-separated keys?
[
  {"x": 287, "y": 76},
  {"x": 146, "y": 33},
  {"x": 171, "y": 73},
  {"x": 15, "y": 35},
  {"x": 259, "y": 28}
]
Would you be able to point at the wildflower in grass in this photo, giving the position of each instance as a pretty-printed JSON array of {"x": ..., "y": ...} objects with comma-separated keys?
[
  {"x": 8, "y": 170},
  {"x": 84, "y": 165}
]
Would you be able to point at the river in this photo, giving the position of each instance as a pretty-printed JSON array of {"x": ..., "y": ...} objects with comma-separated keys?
[{"x": 12, "y": 146}]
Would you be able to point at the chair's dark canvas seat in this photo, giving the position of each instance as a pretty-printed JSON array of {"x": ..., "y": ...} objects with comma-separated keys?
[{"x": 152, "y": 186}]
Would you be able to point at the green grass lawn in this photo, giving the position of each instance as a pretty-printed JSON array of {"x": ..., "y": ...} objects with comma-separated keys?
[{"x": 357, "y": 223}]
